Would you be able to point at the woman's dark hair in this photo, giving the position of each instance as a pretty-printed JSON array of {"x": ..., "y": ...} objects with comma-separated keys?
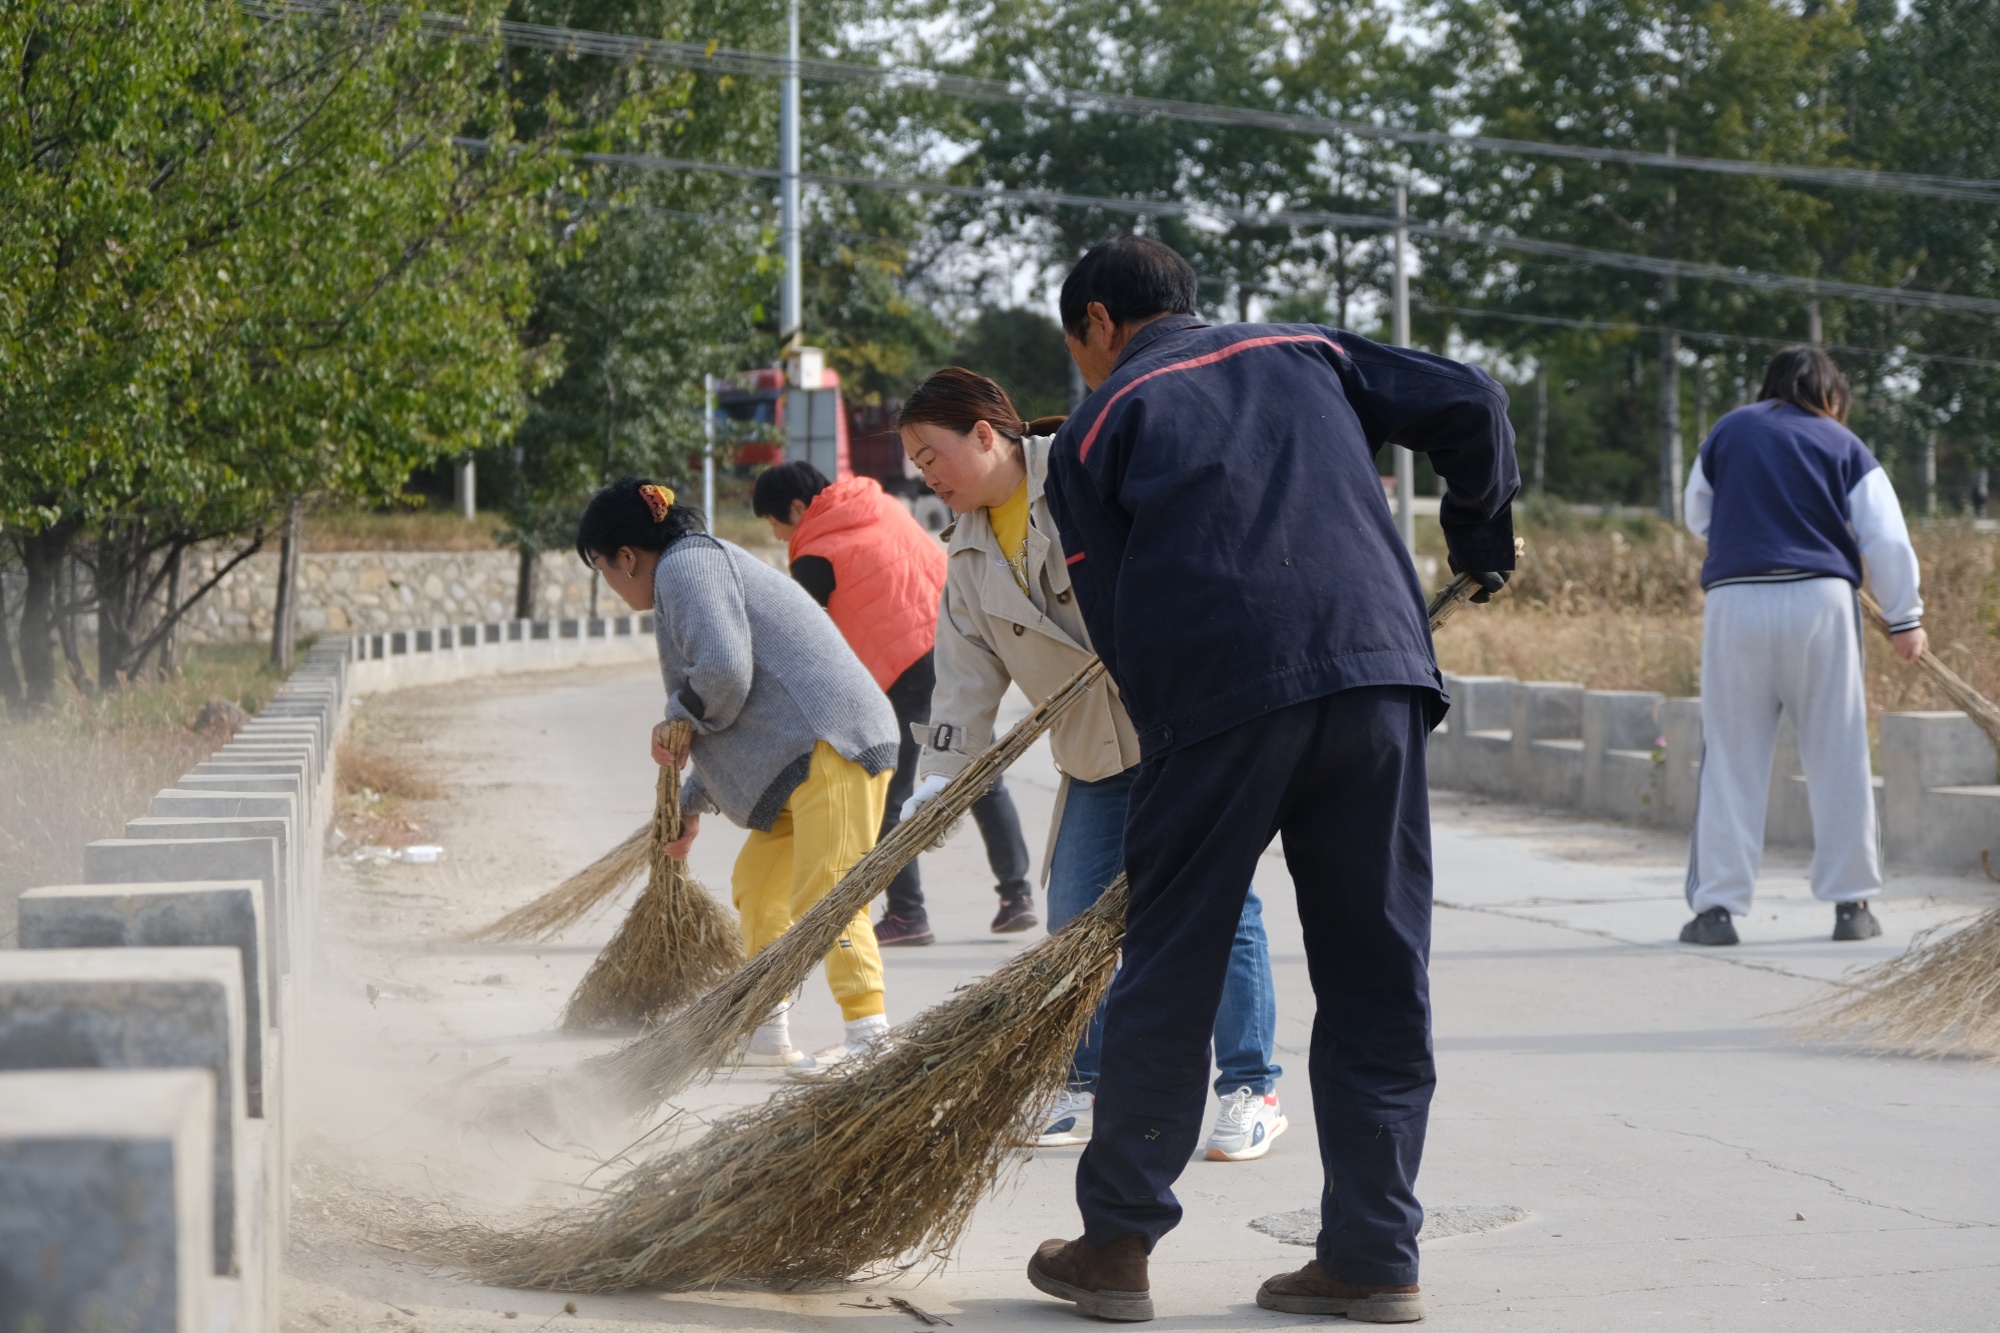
[
  {"x": 958, "y": 400},
  {"x": 1806, "y": 377},
  {"x": 1046, "y": 425},
  {"x": 1135, "y": 277},
  {"x": 618, "y": 515},
  {"x": 774, "y": 492}
]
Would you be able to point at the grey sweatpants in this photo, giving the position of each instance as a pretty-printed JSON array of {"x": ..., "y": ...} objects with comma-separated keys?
[{"x": 1795, "y": 647}]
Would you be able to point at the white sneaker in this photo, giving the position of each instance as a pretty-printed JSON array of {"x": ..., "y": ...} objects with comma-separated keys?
[
  {"x": 1069, "y": 1120},
  {"x": 864, "y": 1037},
  {"x": 770, "y": 1046},
  {"x": 785, "y": 1057},
  {"x": 1245, "y": 1124},
  {"x": 820, "y": 1063}
]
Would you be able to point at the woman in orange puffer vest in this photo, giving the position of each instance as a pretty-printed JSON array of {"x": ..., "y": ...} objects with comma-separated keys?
[{"x": 879, "y": 574}]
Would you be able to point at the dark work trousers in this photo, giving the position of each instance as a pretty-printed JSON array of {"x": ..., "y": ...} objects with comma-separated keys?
[
  {"x": 999, "y": 823},
  {"x": 1341, "y": 780}
]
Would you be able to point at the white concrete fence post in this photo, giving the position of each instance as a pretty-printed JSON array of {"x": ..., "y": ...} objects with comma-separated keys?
[{"x": 1634, "y": 754}]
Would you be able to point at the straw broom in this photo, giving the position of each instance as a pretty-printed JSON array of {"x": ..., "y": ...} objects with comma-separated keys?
[
  {"x": 675, "y": 943},
  {"x": 572, "y": 900},
  {"x": 1942, "y": 996},
  {"x": 884, "y": 1160},
  {"x": 826, "y": 1180},
  {"x": 708, "y": 1033}
]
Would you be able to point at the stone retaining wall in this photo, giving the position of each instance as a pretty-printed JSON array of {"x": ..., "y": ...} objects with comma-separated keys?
[{"x": 340, "y": 591}]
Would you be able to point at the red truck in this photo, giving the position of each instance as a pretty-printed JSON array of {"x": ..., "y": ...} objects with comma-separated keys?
[{"x": 773, "y": 422}]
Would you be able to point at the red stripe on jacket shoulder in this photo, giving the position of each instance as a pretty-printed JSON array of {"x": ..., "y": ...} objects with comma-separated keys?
[
  {"x": 1074, "y": 559},
  {"x": 1196, "y": 363}
]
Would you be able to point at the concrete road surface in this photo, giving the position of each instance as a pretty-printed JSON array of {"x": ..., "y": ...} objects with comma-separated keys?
[{"x": 1676, "y": 1160}]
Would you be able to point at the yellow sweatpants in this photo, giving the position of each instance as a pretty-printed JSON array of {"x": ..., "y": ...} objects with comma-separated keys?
[{"x": 829, "y": 824}]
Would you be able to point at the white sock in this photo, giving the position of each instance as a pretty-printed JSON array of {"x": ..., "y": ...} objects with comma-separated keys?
[
  {"x": 864, "y": 1034},
  {"x": 774, "y": 1035}
]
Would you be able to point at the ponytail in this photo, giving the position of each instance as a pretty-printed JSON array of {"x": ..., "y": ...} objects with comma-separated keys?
[
  {"x": 631, "y": 511},
  {"x": 1046, "y": 425}
]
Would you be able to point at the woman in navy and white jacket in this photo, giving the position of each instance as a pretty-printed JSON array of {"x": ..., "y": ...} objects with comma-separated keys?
[{"x": 1795, "y": 509}]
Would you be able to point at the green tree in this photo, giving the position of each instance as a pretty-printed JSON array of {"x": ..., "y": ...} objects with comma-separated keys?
[
  {"x": 248, "y": 267},
  {"x": 680, "y": 275},
  {"x": 1023, "y": 351},
  {"x": 1734, "y": 79},
  {"x": 1918, "y": 94}
]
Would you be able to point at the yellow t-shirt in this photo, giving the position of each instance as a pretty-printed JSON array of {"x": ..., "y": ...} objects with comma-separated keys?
[{"x": 1010, "y": 525}]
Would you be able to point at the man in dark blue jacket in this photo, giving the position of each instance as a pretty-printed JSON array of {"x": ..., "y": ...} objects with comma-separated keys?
[{"x": 1243, "y": 580}]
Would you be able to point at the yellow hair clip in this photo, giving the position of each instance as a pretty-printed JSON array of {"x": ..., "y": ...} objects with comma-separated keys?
[{"x": 658, "y": 499}]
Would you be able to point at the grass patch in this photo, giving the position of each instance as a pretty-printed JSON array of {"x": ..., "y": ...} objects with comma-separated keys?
[
  {"x": 78, "y": 771},
  {"x": 378, "y": 786},
  {"x": 408, "y": 530},
  {"x": 371, "y": 770},
  {"x": 444, "y": 530},
  {"x": 733, "y": 520}
]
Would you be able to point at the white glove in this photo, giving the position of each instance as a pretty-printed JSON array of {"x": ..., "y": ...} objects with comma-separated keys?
[{"x": 926, "y": 792}]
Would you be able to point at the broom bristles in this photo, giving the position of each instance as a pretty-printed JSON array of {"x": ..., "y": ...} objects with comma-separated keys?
[
  {"x": 706, "y": 1034},
  {"x": 674, "y": 944},
  {"x": 573, "y": 899},
  {"x": 1941, "y": 996},
  {"x": 882, "y": 1163}
]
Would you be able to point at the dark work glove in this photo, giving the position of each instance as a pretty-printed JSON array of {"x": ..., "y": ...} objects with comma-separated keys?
[{"x": 1490, "y": 581}]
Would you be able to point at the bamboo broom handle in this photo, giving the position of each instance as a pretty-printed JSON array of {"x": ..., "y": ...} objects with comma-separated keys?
[
  {"x": 1456, "y": 593},
  {"x": 1976, "y": 705},
  {"x": 667, "y": 808}
]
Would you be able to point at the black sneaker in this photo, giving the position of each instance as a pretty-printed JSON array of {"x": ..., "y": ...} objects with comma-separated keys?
[
  {"x": 1016, "y": 915},
  {"x": 1853, "y": 921},
  {"x": 894, "y": 931},
  {"x": 1710, "y": 927}
]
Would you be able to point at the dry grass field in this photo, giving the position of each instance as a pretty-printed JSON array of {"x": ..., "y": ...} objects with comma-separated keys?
[
  {"x": 90, "y": 763},
  {"x": 1616, "y": 604}
]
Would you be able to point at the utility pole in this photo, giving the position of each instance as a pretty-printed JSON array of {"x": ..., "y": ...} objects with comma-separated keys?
[
  {"x": 464, "y": 488},
  {"x": 1930, "y": 474},
  {"x": 1670, "y": 384},
  {"x": 1406, "y": 462},
  {"x": 791, "y": 298},
  {"x": 1541, "y": 426},
  {"x": 1814, "y": 331},
  {"x": 708, "y": 449}
]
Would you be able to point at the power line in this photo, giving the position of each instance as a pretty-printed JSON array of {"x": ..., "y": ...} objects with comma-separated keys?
[
  {"x": 828, "y": 229},
  {"x": 1612, "y": 327},
  {"x": 1680, "y": 268},
  {"x": 716, "y": 59}
]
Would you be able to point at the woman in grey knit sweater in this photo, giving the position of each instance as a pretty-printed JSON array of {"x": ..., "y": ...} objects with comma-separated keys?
[{"x": 791, "y": 737}]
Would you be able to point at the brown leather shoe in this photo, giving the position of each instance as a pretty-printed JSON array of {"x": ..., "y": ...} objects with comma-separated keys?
[
  {"x": 1109, "y": 1283},
  {"x": 1312, "y": 1290}
]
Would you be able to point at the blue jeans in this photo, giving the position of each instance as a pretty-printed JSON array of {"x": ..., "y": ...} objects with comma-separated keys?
[{"x": 1089, "y": 854}]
